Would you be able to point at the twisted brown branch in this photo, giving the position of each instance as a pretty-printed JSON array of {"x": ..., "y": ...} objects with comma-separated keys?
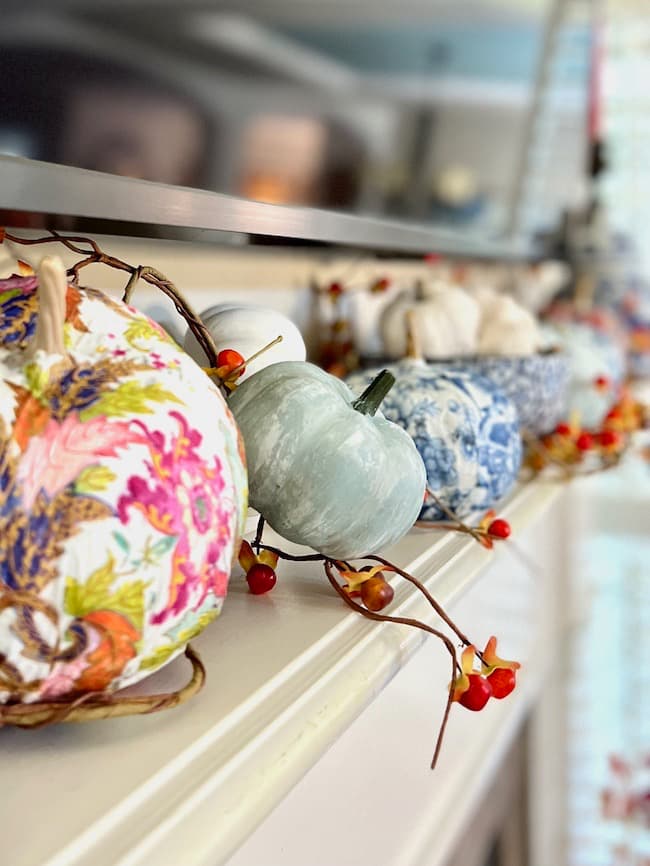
[
  {"x": 99, "y": 705},
  {"x": 414, "y": 623},
  {"x": 95, "y": 255}
]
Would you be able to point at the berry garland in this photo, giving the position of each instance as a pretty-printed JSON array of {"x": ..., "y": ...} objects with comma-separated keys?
[{"x": 477, "y": 677}]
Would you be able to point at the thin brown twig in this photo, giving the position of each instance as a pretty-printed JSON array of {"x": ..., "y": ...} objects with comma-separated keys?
[
  {"x": 130, "y": 286},
  {"x": 415, "y": 623},
  {"x": 425, "y": 592},
  {"x": 459, "y": 524},
  {"x": 257, "y": 541},
  {"x": 307, "y": 557},
  {"x": 318, "y": 557},
  {"x": 95, "y": 255},
  {"x": 101, "y": 705}
]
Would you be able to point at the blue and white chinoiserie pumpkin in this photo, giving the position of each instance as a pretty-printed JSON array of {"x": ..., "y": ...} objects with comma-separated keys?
[
  {"x": 536, "y": 384},
  {"x": 122, "y": 492},
  {"x": 327, "y": 470},
  {"x": 246, "y": 329},
  {"x": 467, "y": 433}
]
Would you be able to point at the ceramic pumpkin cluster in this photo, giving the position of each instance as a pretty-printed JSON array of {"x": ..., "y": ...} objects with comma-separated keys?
[
  {"x": 122, "y": 492},
  {"x": 488, "y": 334}
]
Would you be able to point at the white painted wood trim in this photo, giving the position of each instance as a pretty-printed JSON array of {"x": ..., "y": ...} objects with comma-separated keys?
[{"x": 287, "y": 675}]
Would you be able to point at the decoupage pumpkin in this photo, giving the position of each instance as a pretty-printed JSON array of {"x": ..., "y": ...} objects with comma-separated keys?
[
  {"x": 466, "y": 432},
  {"x": 246, "y": 329},
  {"x": 448, "y": 321},
  {"x": 122, "y": 492},
  {"x": 326, "y": 470}
]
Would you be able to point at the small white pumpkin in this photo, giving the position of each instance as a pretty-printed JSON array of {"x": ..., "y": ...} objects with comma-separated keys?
[
  {"x": 448, "y": 321},
  {"x": 507, "y": 328},
  {"x": 246, "y": 329}
]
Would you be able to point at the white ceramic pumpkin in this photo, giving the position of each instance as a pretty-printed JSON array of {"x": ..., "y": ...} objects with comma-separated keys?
[
  {"x": 326, "y": 470},
  {"x": 247, "y": 329},
  {"x": 122, "y": 492},
  {"x": 448, "y": 321},
  {"x": 507, "y": 328}
]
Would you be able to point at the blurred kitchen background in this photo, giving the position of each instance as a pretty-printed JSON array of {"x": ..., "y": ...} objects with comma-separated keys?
[{"x": 445, "y": 113}]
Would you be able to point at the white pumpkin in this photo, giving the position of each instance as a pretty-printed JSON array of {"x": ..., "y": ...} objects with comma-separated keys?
[
  {"x": 485, "y": 296},
  {"x": 536, "y": 285},
  {"x": 448, "y": 321},
  {"x": 122, "y": 492},
  {"x": 246, "y": 329},
  {"x": 507, "y": 328}
]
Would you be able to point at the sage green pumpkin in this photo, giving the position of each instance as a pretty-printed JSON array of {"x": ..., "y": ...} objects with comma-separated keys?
[{"x": 323, "y": 473}]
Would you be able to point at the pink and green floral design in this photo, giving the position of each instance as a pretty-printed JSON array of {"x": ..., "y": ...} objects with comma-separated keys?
[
  {"x": 183, "y": 497},
  {"x": 122, "y": 498}
]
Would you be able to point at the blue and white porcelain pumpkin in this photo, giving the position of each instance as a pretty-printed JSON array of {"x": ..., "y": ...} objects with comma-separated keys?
[
  {"x": 466, "y": 431},
  {"x": 536, "y": 384}
]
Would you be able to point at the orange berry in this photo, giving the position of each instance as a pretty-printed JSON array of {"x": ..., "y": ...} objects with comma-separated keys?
[{"x": 376, "y": 593}]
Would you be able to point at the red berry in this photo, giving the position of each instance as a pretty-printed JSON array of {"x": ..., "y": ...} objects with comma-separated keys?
[
  {"x": 601, "y": 382},
  {"x": 478, "y": 693},
  {"x": 335, "y": 289},
  {"x": 261, "y": 578},
  {"x": 376, "y": 593},
  {"x": 502, "y": 681},
  {"x": 563, "y": 430},
  {"x": 229, "y": 358},
  {"x": 613, "y": 414},
  {"x": 499, "y": 528},
  {"x": 380, "y": 285},
  {"x": 609, "y": 437},
  {"x": 585, "y": 442}
]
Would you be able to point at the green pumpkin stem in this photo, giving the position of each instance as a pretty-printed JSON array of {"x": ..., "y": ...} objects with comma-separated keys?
[{"x": 372, "y": 397}]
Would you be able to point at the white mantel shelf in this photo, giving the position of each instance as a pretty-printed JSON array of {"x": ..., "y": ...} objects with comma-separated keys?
[{"x": 287, "y": 675}]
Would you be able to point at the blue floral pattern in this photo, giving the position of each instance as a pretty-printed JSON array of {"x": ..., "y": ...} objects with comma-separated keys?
[
  {"x": 536, "y": 384},
  {"x": 466, "y": 431}
]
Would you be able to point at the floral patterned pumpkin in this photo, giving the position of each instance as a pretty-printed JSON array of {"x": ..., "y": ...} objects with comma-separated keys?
[{"x": 122, "y": 492}]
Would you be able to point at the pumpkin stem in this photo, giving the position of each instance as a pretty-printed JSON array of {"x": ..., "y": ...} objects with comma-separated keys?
[
  {"x": 413, "y": 341},
  {"x": 52, "y": 290},
  {"x": 371, "y": 399}
]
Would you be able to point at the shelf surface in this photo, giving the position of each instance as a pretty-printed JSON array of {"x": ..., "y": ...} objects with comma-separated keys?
[
  {"x": 287, "y": 675},
  {"x": 49, "y": 194}
]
